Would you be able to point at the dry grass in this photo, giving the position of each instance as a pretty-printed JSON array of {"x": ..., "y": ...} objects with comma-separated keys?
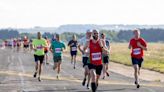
[{"x": 153, "y": 59}]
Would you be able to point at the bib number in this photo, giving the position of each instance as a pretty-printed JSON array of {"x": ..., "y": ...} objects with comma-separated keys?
[
  {"x": 39, "y": 47},
  {"x": 96, "y": 56},
  {"x": 74, "y": 49},
  {"x": 58, "y": 50},
  {"x": 137, "y": 51}
]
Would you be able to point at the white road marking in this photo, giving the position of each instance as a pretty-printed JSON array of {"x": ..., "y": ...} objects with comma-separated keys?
[
  {"x": 23, "y": 71},
  {"x": 149, "y": 89}
]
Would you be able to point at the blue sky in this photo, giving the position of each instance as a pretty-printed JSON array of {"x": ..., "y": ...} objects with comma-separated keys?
[{"x": 53, "y": 13}]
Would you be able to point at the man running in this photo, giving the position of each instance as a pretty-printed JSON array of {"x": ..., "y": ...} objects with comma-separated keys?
[
  {"x": 18, "y": 44},
  {"x": 96, "y": 47},
  {"x": 14, "y": 44},
  {"x": 73, "y": 49},
  {"x": 85, "y": 57},
  {"x": 38, "y": 46},
  {"x": 25, "y": 43},
  {"x": 137, "y": 44},
  {"x": 57, "y": 48},
  {"x": 46, "y": 49},
  {"x": 105, "y": 56}
]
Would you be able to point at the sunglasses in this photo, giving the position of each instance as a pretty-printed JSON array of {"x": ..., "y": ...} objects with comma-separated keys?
[{"x": 95, "y": 33}]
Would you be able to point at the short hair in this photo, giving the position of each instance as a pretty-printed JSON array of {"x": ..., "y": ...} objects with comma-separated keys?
[
  {"x": 136, "y": 30},
  {"x": 57, "y": 36},
  {"x": 95, "y": 30}
]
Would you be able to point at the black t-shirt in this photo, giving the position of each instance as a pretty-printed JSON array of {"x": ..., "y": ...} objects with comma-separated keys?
[{"x": 73, "y": 45}]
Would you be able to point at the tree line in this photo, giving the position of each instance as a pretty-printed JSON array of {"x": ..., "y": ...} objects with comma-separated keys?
[{"x": 150, "y": 35}]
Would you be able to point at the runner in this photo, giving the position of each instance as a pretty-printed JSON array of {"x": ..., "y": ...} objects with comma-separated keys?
[
  {"x": 95, "y": 66},
  {"x": 14, "y": 44},
  {"x": 105, "y": 56},
  {"x": 18, "y": 44},
  {"x": 30, "y": 45},
  {"x": 85, "y": 57},
  {"x": 38, "y": 46},
  {"x": 46, "y": 49},
  {"x": 26, "y": 43},
  {"x": 6, "y": 43},
  {"x": 10, "y": 43},
  {"x": 53, "y": 38},
  {"x": 137, "y": 44},
  {"x": 57, "y": 48},
  {"x": 73, "y": 49}
]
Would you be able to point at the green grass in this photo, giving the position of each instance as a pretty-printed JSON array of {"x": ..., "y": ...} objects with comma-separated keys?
[{"x": 153, "y": 59}]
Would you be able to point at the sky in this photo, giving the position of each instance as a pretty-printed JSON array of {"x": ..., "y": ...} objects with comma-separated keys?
[{"x": 53, "y": 13}]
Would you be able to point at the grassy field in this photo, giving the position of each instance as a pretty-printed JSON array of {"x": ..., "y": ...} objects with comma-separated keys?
[{"x": 153, "y": 59}]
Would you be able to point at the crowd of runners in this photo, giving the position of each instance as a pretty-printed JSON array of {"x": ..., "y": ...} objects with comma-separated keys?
[{"x": 95, "y": 50}]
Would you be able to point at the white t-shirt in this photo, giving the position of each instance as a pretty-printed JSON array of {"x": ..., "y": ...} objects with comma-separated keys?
[{"x": 83, "y": 42}]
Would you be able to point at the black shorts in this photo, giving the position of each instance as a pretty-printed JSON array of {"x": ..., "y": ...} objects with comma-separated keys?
[
  {"x": 85, "y": 61},
  {"x": 73, "y": 53},
  {"x": 26, "y": 46},
  {"x": 18, "y": 45},
  {"x": 137, "y": 61},
  {"x": 39, "y": 58},
  {"x": 98, "y": 68},
  {"x": 105, "y": 59}
]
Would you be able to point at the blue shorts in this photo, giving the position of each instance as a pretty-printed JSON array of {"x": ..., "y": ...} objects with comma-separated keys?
[
  {"x": 73, "y": 53},
  {"x": 137, "y": 61}
]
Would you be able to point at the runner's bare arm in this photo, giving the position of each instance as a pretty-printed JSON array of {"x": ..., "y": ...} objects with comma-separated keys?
[
  {"x": 129, "y": 46},
  {"x": 34, "y": 48},
  {"x": 86, "y": 46},
  {"x": 79, "y": 47},
  {"x": 51, "y": 49},
  {"x": 102, "y": 45}
]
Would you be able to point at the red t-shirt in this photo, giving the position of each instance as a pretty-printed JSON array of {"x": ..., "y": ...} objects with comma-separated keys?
[
  {"x": 25, "y": 41},
  {"x": 95, "y": 53},
  {"x": 137, "y": 52}
]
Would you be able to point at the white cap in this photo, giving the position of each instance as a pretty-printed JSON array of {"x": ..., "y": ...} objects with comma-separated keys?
[{"x": 88, "y": 30}]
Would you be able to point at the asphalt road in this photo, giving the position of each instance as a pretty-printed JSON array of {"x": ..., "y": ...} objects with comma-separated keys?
[{"x": 16, "y": 75}]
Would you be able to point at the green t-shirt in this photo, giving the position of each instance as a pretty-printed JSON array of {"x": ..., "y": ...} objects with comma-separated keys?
[
  {"x": 39, "y": 44},
  {"x": 57, "y": 48}
]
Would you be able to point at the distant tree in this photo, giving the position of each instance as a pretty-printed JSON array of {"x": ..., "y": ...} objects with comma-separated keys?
[{"x": 8, "y": 33}]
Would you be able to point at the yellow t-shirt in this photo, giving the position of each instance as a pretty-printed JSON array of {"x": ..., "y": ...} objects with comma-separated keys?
[{"x": 39, "y": 44}]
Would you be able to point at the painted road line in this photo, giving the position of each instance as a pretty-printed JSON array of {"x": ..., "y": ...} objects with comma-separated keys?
[
  {"x": 112, "y": 82},
  {"x": 23, "y": 72}
]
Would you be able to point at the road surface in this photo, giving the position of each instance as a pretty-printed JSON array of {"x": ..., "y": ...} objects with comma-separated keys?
[{"x": 16, "y": 75}]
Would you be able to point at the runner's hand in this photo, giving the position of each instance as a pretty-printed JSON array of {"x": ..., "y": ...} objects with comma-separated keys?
[{"x": 139, "y": 44}]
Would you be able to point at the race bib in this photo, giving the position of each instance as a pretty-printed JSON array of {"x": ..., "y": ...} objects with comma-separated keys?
[
  {"x": 74, "y": 49},
  {"x": 137, "y": 51},
  {"x": 39, "y": 47},
  {"x": 96, "y": 56},
  {"x": 57, "y": 50}
]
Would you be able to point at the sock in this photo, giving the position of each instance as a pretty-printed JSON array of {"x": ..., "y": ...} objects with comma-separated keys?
[{"x": 94, "y": 87}]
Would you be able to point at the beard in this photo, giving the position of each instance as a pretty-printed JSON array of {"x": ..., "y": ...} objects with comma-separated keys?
[{"x": 95, "y": 38}]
